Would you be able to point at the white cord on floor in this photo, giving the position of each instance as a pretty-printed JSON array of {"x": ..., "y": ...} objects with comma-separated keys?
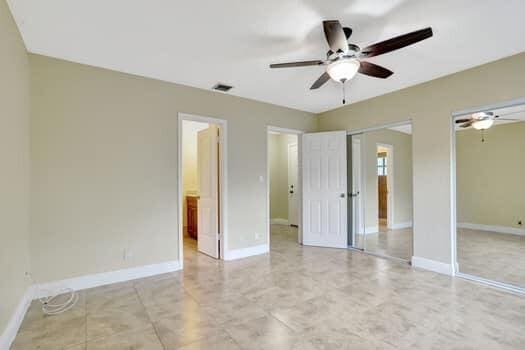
[{"x": 50, "y": 308}]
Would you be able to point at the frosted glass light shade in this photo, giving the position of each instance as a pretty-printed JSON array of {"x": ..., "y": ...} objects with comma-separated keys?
[
  {"x": 343, "y": 69},
  {"x": 482, "y": 124}
]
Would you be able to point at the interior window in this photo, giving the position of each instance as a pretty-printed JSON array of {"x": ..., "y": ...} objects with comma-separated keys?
[{"x": 381, "y": 165}]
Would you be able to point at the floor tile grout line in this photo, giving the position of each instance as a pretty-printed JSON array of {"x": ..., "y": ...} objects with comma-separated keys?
[
  {"x": 284, "y": 324},
  {"x": 232, "y": 338},
  {"x": 149, "y": 317}
]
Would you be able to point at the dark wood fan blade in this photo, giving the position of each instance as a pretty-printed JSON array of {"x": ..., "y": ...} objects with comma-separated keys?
[
  {"x": 320, "y": 81},
  {"x": 297, "y": 64},
  {"x": 335, "y": 36},
  {"x": 499, "y": 118},
  {"x": 396, "y": 43},
  {"x": 348, "y": 32},
  {"x": 467, "y": 124},
  {"x": 374, "y": 70},
  {"x": 458, "y": 121}
]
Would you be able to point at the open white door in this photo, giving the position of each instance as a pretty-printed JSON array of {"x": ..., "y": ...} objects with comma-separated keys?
[
  {"x": 208, "y": 205},
  {"x": 293, "y": 190},
  {"x": 324, "y": 189}
]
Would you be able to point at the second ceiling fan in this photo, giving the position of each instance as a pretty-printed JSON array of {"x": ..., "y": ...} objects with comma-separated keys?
[{"x": 344, "y": 60}]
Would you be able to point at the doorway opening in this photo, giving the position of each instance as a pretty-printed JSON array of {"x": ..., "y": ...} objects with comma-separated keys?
[
  {"x": 385, "y": 169},
  {"x": 201, "y": 187},
  {"x": 284, "y": 188}
]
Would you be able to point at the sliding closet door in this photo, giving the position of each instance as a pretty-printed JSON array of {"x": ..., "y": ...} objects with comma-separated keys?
[{"x": 386, "y": 191}]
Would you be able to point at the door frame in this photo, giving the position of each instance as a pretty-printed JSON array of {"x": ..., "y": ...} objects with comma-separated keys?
[
  {"x": 223, "y": 180},
  {"x": 269, "y": 129},
  {"x": 296, "y": 144},
  {"x": 358, "y": 221},
  {"x": 389, "y": 185}
]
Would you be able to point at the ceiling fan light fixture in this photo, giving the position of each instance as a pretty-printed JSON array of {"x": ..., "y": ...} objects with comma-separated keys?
[
  {"x": 483, "y": 124},
  {"x": 343, "y": 69}
]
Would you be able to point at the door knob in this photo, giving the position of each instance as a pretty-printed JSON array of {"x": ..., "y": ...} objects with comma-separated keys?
[{"x": 342, "y": 195}]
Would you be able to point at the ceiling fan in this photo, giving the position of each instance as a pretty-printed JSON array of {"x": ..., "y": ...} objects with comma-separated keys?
[
  {"x": 480, "y": 121},
  {"x": 344, "y": 60}
]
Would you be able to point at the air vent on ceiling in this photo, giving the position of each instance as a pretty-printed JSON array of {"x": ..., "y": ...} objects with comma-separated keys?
[{"x": 222, "y": 87}]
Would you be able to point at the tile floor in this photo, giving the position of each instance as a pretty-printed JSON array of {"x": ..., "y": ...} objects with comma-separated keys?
[
  {"x": 495, "y": 256},
  {"x": 294, "y": 298},
  {"x": 394, "y": 243},
  {"x": 491, "y": 255}
]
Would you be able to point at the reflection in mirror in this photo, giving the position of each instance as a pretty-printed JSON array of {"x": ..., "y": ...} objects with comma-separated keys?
[
  {"x": 490, "y": 194},
  {"x": 382, "y": 211}
]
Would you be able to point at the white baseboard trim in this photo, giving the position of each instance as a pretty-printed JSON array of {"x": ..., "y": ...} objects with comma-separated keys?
[
  {"x": 491, "y": 228},
  {"x": 246, "y": 252},
  {"x": 13, "y": 325},
  {"x": 433, "y": 265},
  {"x": 279, "y": 221},
  {"x": 77, "y": 283},
  {"x": 402, "y": 225},
  {"x": 370, "y": 229},
  {"x": 100, "y": 279}
]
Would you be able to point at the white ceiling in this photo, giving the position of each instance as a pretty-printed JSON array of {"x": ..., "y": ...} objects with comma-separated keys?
[{"x": 200, "y": 43}]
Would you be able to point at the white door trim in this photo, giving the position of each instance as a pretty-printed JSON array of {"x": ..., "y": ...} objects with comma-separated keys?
[
  {"x": 378, "y": 127},
  {"x": 358, "y": 221},
  {"x": 390, "y": 183},
  {"x": 223, "y": 181},
  {"x": 276, "y": 129}
]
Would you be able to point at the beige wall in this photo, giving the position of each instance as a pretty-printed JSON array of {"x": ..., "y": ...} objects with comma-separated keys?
[
  {"x": 278, "y": 159},
  {"x": 190, "y": 181},
  {"x": 104, "y": 152},
  {"x": 402, "y": 184},
  {"x": 430, "y": 105},
  {"x": 14, "y": 160},
  {"x": 490, "y": 186}
]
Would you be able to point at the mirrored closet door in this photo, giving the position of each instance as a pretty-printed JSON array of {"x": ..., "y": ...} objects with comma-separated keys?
[
  {"x": 381, "y": 197},
  {"x": 490, "y": 195}
]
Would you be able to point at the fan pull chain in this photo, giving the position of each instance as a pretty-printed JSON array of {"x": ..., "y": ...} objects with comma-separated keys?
[
  {"x": 344, "y": 92},
  {"x": 482, "y": 135}
]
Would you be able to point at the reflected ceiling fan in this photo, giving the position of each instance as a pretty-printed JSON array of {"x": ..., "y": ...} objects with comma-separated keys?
[
  {"x": 481, "y": 121},
  {"x": 344, "y": 60}
]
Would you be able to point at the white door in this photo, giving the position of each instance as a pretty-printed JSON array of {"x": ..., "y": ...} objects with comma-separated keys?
[
  {"x": 324, "y": 189},
  {"x": 208, "y": 205},
  {"x": 293, "y": 190}
]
